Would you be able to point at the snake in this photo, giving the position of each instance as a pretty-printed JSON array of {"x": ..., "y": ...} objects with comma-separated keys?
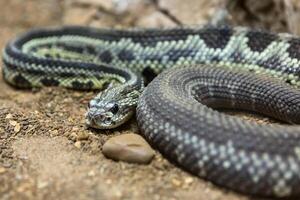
[{"x": 176, "y": 80}]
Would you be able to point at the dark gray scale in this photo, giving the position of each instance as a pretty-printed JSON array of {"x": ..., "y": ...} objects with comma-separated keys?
[
  {"x": 10, "y": 66},
  {"x": 82, "y": 86},
  {"x": 26, "y": 70},
  {"x": 105, "y": 57},
  {"x": 152, "y": 37},
  {"x": 49, "y": 82},
  {"x": 70, "y": 47},
  {"x": 237, "y": 57},
  {"x": 21, "y": 81},
  {"x": 126, "y": 55},
  {"x": 48, "y": 55},
  {"x": 69, "y": 74},
  {"x": 42, "y": 46},
  {"x": 76, "y": 47},
  {"x": 216, "y": 37},
  {"x": 101, "y": 34},
  {"x": 294, "y": 50},
  {"x": 175, "y": 54},
  {"x": 216, "y": 59},
  {"x": 90, "y": 49},
  {"x": 152, "y": 57},
  {"x": 259, "y": 40},
  {"x": 273, "y": 63},
  {"x": 148, "y": 74}
]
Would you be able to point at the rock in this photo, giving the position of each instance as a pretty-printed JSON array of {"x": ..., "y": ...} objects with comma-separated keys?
[
  {"x": 188, "y": 180},
  {"x": 54, "y": 133},
  {"x": 91, "y": 173},
  {"x": 176, "y": 182},
  {"x": 105, "y": 4},
  {"x": 129, "y": 6},
  {"x": 191, "y": 12},
  {"x": 16, "y": 125},
  {"x": 42, "y": 184},
  {"x": 73, "y": 136},
  {"x": 77, "y": 144},
  {"x": 103, "y": 20},
  {"x": 13, "y": 123},
  {"x": 130, "y": 148},
  {"x": 2, "y": 170},
  {"x": 17, "y": 128},
  {"x": 8, "y": 116},
  {"x": 82, "y": 136},
  {"x": 78, "y": 16},
  {"x": 155, "y": 19},
  {"x": 75, "y": 129}
]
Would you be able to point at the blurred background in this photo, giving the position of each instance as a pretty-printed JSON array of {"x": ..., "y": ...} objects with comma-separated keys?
[
  {"x": 45, "y": 150},
  {"x": 18, "y": 15}
]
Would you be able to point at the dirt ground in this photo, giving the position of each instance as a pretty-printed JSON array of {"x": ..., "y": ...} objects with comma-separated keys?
[{"x": 46, "y": 152}]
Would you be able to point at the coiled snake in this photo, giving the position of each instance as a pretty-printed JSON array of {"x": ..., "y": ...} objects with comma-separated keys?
[{"x": 218, "y": 67}]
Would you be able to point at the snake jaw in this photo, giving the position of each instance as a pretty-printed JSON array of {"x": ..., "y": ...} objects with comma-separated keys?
[
  {"x": 105, "y": 120},
  {"x": 100, "y": 118}
]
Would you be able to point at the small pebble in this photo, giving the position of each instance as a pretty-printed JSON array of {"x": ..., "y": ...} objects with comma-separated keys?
[
  {"x": 77, "y": 144},
  {"x": 176, "y": 182},
  {"x": 91, "y": 173},
  {"x": 13, "y": 123},
  {"x": 54, "y": 133},
  {"x": 82, "y": 136},
  {"x": 2, "y": 170},
  {"x": 17, "y": 128},
  {"x": 188, "y": 180},
  {"x": 74, "y": 129},
  {"x": 8, "y": 116},
  {"x": 42, "y": 184},
  {"x": 130, "y": 148},
  {"x": 73, "y": 136}
]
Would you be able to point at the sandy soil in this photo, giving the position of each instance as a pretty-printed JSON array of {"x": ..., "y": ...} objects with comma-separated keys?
[{"x": 46, "y": 152}]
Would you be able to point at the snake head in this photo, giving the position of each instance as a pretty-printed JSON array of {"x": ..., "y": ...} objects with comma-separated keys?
[{"x": 112, "y": 107}]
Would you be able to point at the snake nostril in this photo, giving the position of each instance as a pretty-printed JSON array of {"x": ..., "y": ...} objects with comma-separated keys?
[{"x": 99, "y": 116}]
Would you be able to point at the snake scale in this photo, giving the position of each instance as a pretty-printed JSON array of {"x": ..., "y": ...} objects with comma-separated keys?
[{"x": 203, "y": 69}]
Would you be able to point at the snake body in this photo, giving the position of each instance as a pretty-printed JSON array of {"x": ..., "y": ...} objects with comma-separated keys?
[{"x": 213, "y": 66}]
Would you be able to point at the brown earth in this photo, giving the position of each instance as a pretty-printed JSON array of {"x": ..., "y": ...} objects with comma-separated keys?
[{"x": 46, "y": 152}]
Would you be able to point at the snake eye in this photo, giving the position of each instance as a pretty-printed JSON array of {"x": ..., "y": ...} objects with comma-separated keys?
[
  {"x": 108, "y": 119},
  {"x": 114, "y": 109}
]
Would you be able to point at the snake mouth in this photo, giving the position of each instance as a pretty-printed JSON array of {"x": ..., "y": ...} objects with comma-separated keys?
[
  {"x": 94, "y": 123},
  {"x": 100, "y": 120},
  {"x": 106, "y": 120},
  {"x": 97, "y": 125}
]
